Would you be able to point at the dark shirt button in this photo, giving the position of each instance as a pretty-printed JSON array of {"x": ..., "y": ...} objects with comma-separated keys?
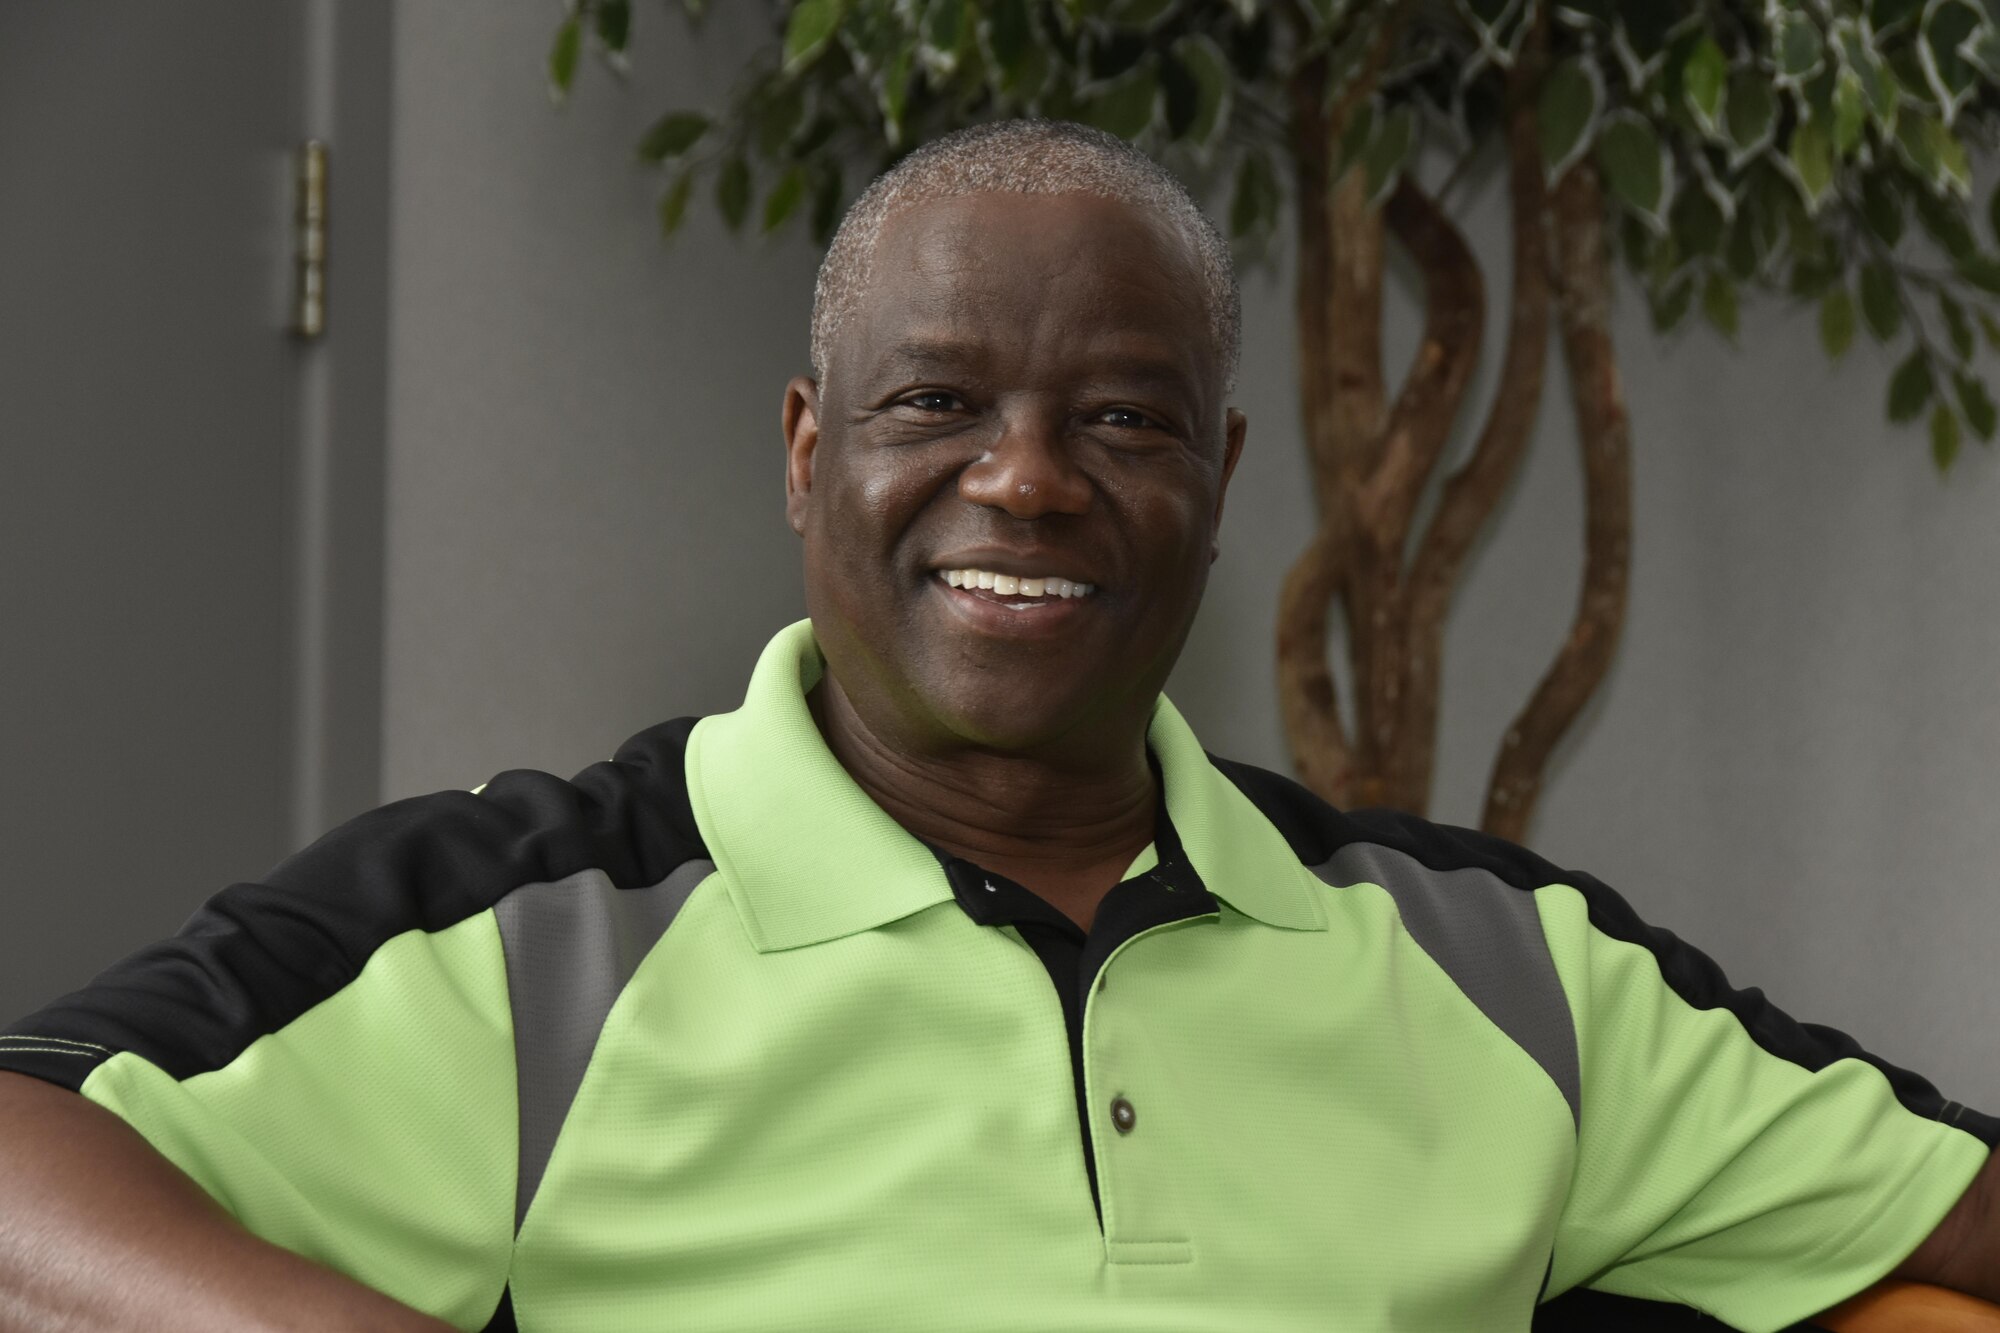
[{"x": 1122, "y": 1115}]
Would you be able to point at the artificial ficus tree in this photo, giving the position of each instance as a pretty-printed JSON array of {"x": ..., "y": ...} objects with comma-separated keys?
[{"x": 1815, "y": 150}]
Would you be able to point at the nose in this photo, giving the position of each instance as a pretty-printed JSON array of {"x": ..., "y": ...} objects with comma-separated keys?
[{"x": 1028, "y": 473}]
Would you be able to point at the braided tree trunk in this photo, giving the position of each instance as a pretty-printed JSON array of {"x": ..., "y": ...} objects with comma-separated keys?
[{"x": 1373, "y": 457}]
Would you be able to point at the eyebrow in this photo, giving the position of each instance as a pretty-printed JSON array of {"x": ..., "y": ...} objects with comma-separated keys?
[{"x": 918, "y": 354}]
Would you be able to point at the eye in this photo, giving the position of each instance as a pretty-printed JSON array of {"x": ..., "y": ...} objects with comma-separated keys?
[
  {"x": 931, "y": 400},
  {"x": 1134, "y": 419}
]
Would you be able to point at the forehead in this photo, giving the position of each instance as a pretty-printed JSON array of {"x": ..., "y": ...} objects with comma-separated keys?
[{"x": 1045, "y": 277}]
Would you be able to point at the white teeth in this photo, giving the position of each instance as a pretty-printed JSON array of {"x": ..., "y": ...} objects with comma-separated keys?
[{"x": 1013, "y": 585}]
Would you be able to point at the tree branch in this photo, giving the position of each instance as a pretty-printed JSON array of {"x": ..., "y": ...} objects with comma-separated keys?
[
  {"x": 1308, "y": 701},
  {"x": 1339, "y": 315},
  {"x": 1473, "y": 492},
  {"x": 1306, "y": 696},
  {"x": 1400, "y": 464},
  {"x": 1605, "y": 432},
  {"x": 1419, "y": 425}
]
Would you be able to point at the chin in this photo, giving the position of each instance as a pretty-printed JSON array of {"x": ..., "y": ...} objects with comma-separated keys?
[{"x": 1004, "y": 724}]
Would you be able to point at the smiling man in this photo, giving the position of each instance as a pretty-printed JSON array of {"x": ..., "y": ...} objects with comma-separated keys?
[{"x": 949, "y": 983}]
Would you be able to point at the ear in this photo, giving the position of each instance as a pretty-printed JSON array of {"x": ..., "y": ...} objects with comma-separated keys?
[
  {"x": 1235, "y": 426},
  {"x": 801, "y": 422}
]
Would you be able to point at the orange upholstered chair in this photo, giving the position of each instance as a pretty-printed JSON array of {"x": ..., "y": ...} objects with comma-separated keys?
[{"x": 1911, "y": 1307}]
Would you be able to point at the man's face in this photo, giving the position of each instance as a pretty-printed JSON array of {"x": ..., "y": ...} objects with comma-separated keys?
[{"x": 1029, "y": 389}]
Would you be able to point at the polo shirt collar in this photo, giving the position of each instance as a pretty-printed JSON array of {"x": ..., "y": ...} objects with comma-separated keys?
[{"x": 808, "y": 857}]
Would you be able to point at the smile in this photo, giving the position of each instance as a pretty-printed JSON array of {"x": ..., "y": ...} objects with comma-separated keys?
[{"x": 1015, "y": 590}]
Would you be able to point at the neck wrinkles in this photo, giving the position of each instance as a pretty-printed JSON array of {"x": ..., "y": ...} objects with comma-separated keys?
[{"x": 990, "y": 807}]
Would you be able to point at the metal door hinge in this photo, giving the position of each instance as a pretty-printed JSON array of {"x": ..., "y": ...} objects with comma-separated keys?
[{"x": 309, "y": 231}]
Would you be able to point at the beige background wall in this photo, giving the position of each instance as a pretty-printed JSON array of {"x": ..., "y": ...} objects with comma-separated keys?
[{"x": 1795, "y": 763}]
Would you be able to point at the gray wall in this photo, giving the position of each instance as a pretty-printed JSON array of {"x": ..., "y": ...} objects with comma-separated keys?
[{"x": 1792, "y": 763}]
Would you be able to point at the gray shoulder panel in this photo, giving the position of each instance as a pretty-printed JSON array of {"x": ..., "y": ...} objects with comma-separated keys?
[
  {"x": 1487, "y": 936},
  {"x": 571, "y": 945}
]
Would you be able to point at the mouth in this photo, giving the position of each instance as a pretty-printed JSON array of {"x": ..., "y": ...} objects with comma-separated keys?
[
  {"x": 1012, "y": 605},
  {"x": 1022, "y": 593}
]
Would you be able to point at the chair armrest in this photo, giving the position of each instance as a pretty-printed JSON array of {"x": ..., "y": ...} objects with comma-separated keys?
[{"x": 1911, "y": 1307}]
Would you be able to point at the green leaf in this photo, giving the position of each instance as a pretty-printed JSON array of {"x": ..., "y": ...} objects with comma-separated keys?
[
  {"x": 1718, "y": 303},
  {"x": 1881, "y": 305},
  {"x": 1125, "y": 106},
  {"x": 1571, "y": 96},
  {"x": 1993, "y": 212},
  {"x": 784, "y": 198},
  {"x": 1881, "y": 209},
  {"x": 1634, "y": 163},
  {"x": 1884, "y": 15},
  {"x": 1141, "y": 13},
  {"x": 1913, "y": 143},
  {"x": 1957, "y": 327},
  {"x": 1203, "y": 59},
  {"x": 1945, "y": 25},
  {"x": 1671, "y": 309},
  {"x": 1697, "y": 222},
  {"x": 1812, "y": 279},
  {"x": 562, "y": 57},
  {"x": 1910, "y": 387},
  {"x": 1983, "y": 50},
  {"x": 1946, "y": 223},
  {"x": 946, "y": 26},
  {"x": 1955, "y": 168},
  {"x": 1850, "y": 114},
  {"x": 778, "y": 118},
  {"x": 1982, "y": 271},
  {"x": 732, "y": 191},
  {"x": 1743, "y": 253},
  {"x": 614, "y": 24},
  {"x": 1751, "y": 111},
  {"x": 826, "y": 204},
  {"x": 1704, "y": 78},
  {"x": 1254, "y": 205},
  {"x": 1798, "y": 48},
  {"x": 1977, "y": 404},
  {"x": 816, "y": 136},
  {"x": 810, "y": 28},
  {"x": 1881, "y": 91},
  {"x": 1989, "y": 328},
  {"x": 1836, "y": 322},
  {"x": 1382, "y": 161},
  {"x": 674, "y": 203},
  {"x": 1944, "y": 437},
  {"x": 672, "y": 135},
  {"x": 1011, "y": 38},
  {"x": 895, "y": 92},
  {"x": 1811, "y": 158}
]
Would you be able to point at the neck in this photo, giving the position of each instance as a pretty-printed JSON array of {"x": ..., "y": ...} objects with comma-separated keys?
[{"x": 1019, "y": 814}]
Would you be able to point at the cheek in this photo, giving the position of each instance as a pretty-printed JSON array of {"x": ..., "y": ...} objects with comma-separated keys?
[{"x": 874, "y": 506}]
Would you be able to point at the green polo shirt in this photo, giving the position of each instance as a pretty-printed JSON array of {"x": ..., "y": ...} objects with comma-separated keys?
[{"x": 702, "y": 1039}]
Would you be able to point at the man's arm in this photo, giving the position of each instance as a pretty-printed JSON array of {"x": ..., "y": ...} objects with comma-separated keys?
[
  {"x": 98, "y": 1231},
  {"x": 1964, "y": 1252}
]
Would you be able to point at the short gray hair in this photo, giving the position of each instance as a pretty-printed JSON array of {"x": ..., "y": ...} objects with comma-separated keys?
[{"x": 1025, "y": 156}]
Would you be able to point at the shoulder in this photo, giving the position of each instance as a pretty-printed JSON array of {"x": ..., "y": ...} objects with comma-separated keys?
[
  {"x": 429, "y": 861},
  {"x": 1465, "y": 898},
  {"x": 1470, "y": 900},
  {"x": 1319, "y": 833},
  {"x": 258, "y": 955}
]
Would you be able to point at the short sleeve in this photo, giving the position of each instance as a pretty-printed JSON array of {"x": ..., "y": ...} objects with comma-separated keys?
[
  {"x": 329, "y": 1053},
  {"x": 1730, "y": 1158}
]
